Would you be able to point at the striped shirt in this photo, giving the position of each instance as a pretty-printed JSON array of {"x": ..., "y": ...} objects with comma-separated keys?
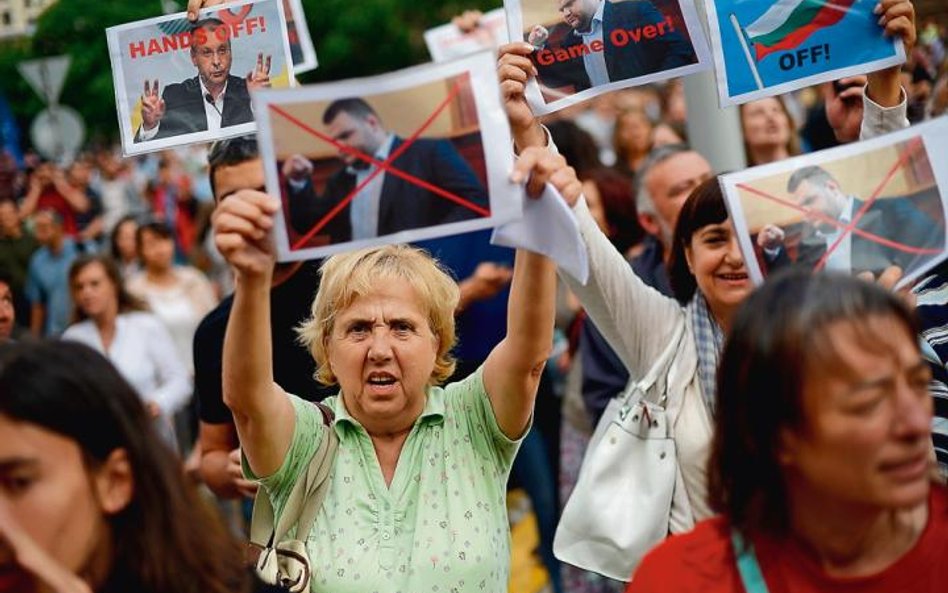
[{"x": 932, "y": 310}]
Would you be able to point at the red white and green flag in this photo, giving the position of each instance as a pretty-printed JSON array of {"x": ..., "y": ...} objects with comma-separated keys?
[{"x": 788, "y": 23}]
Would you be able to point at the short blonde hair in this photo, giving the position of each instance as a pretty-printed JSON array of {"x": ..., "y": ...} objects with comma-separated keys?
[{"x": 347, "y": 276}]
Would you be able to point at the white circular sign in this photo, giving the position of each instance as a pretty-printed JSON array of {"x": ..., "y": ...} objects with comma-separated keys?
[{"x": 57, "y": 133}]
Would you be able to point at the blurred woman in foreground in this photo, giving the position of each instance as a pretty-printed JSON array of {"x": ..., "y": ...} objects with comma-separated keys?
[
  {"x": 90, "y": 498},
  {"x": 821, "y": 463}
]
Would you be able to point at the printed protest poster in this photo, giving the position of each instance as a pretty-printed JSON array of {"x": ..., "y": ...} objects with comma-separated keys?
[
  {"x": 395, "y": 158},
  {"x": 762, "y": 49},
  {"x": 447, "y": 42},
  {"x": 857, "y": 208},
  {"x": 178, "y": 82},
  {"x": 301, "y": 44},
  {"x": 587, "y": 47}
]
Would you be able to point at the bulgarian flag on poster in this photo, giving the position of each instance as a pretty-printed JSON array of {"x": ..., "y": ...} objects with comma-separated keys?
[{"x": 788, "y": 23}]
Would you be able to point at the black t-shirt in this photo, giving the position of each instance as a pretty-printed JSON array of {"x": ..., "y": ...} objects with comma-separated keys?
[{"x": 293, "y": 366}]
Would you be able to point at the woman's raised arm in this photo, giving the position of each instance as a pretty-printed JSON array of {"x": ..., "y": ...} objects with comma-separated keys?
[
  {"x": 262, "y": 411},
  {"x": 513, "y": 369}
]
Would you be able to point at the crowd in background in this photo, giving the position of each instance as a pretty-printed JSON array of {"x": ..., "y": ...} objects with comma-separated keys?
[{"x": 118, "y": 254}]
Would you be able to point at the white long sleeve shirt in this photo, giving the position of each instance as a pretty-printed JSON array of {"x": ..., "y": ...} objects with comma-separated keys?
[{"x": 144, "y": 353}]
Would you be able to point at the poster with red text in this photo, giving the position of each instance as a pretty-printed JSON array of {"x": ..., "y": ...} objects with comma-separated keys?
[
  {"x": 178, "y": 82},
  {"x": 583, "y": 48}
]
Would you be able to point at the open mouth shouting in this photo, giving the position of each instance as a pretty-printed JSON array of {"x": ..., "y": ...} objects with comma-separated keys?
[{"x": 381, "y": 382}]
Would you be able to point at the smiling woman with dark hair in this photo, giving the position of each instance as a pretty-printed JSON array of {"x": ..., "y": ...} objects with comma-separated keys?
[
  {"x": 710, "y": 281},
  {"x": 821, "y": 464}
]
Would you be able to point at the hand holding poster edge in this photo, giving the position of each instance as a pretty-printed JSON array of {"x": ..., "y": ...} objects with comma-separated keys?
[
  {"x": 933, "y": 137},
  {"x": 540, "y": 106},
  {"x": 548, "y": 227},
  {"x": 233, "y": 12},
  {"x": 783, "y": 26},
  {"x": 505, "y": 203}
]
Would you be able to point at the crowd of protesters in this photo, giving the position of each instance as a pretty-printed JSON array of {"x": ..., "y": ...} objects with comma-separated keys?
[{"x": 122, "y": 255}]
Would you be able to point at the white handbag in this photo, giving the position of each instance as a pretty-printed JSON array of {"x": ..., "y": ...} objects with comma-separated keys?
[{"x": 620, "y": 507}]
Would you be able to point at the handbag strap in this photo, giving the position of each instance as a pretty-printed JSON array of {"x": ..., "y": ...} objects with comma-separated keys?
[
  {"x": 659, "y": 369},
  {"x": 747, "y": 566},
  {"x": 305, "y": 498}
]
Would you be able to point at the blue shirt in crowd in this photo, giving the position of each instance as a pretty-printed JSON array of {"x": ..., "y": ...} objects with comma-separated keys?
[{"x": 47, "y": 284}]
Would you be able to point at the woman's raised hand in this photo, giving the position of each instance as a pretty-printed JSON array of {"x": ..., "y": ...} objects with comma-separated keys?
[
  {"x": 538, "y": 166},
  {"x": 195, "y": 5},
  {"x": 242, "y": 223}
]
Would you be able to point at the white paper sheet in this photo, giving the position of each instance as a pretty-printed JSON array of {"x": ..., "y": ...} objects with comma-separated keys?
[{"x": 548, "y": 227}]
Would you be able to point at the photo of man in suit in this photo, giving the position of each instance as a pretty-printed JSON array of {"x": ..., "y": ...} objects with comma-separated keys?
[
  {"x": 385, "y": 203},
  {"x": 603, "y": 41},
  {"x": 211, "y": 100},
  {"x": 896, "y": 221}
]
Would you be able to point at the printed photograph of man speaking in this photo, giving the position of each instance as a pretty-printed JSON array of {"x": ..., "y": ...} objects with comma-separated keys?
[
  {"x": 178, "y": 82},
  {"x": 213, "y": 99},
  {"x": 588, "y": 44}
]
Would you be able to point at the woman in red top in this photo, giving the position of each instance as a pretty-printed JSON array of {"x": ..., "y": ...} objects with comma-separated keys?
[{"x": 821, "y": 464}]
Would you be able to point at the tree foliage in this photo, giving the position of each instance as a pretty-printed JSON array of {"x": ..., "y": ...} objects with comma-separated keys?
[{"x": 352, "y": 38}]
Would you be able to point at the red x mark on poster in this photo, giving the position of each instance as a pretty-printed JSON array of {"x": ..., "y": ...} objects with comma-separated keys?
[
  {"x": 851, "y": 227},
  {"x": 380, "y": 166}
]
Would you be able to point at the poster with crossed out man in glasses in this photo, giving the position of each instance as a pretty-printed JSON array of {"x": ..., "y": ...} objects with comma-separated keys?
[
  {"x": 860, "y": 208},
  {"x": 179, "y": 82}
]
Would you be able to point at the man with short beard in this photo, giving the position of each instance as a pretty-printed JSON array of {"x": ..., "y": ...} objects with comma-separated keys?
[{"x": 609, "y": 26}]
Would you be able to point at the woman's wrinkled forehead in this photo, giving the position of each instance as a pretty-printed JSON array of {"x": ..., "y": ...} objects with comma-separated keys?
[{"x": 384, "y": 297}]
